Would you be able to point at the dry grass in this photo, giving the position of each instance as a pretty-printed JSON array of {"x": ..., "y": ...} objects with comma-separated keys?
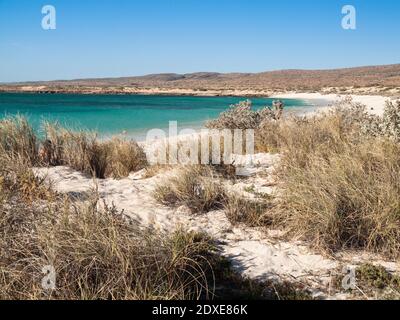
[
  {"x": 153, "y": 170},
  {"x": 199, "y": 188},
  {"x": 351, "y": 199},
  {"x": 97, "y": 252},
  {"x": 250, "y": 212},
  {"x": 340, "y": 181},
  {"x": 17, "y": 177},
  {"x": 79, "y": 150},
  {"x": 300, "y": 137},
  {"x": 18, "y": 139},
  {"x": 101, "y": 254},
  {"x": 124, "y": 157},
  {"x": 194, "y": 187},
  {"x": 82, "y": 151},
  {"x": 98, "y": 255}
]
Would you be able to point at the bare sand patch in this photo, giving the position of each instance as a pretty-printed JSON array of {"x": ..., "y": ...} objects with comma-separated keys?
[{"x": 375, "y": 104}]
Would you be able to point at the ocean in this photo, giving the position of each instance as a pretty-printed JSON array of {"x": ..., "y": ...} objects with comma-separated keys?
[{"x": 133, "y": 115}]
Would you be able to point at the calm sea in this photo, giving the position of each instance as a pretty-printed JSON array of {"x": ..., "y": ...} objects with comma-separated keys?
[{"x": 132, "y": 114}]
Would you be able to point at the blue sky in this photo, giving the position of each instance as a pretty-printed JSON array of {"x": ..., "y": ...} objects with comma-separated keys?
[{"x": 109, "y": 38}]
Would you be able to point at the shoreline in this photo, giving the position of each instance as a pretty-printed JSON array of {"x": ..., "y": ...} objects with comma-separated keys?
[
  {"x": 375, "y": 103},
  {"x": 139, "y": 134},
  {"x": 317, "y": 101},
  {"x": 139, "y": 91},
  {"x": 322, "y": 93}
]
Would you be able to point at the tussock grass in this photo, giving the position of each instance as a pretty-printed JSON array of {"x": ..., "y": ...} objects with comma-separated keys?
[
  {"x": 124, "y": 157},
  {"x": 17, "y": 138},
  {"x": 98, "y": 255},
  {"x": 96, "y": 251},
  {"x": 350, "y": 200},
  {"x": 79, "y": 150},
  {"x": 252, "y": 212},
  {"x": 300, "y": 137},
  {"x": 155, "y": 169},
  {"x": 340, "y": 180},
  {"x": 17, "y": 177},
  {"x": 199, "y": 188},
  {"x": 82, "y": 151},
  {"x": 194, "y": 187}
]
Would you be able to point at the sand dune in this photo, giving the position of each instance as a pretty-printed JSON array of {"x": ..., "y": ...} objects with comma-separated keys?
[{"x": 254, "y": 252}]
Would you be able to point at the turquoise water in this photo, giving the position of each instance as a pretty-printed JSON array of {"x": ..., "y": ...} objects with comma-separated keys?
[{"x": 113, "y": 114}]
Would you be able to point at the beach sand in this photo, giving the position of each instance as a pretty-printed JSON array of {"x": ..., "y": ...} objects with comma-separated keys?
[{"x": 375, "y": 104}]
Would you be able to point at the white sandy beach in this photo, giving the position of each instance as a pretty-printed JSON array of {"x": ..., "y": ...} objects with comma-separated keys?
[{"x": 375, "y": 104}]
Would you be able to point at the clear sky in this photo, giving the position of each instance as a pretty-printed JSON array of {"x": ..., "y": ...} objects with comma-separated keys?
[{"x": 109, "y": 38}]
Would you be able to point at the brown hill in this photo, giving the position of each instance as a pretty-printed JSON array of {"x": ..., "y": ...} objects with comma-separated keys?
[{"x": 372, "y": 76}]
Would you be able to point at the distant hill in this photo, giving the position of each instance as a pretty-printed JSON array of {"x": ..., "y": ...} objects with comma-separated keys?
[{"x": 372, "y": 76}]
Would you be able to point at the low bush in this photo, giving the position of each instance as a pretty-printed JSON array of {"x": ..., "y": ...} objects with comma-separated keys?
[
  {"x": 241, "y": 116},
  {"x": 194, "y": 187}
]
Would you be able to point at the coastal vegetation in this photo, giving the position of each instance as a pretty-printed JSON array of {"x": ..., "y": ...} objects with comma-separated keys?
[
  {"x": 196, "y": 187},
  {"x": 94, "y": 250},
  {"x": 81, "y": 150},
  {"x": 338, "y": 188},
  {"x": 242, "y": 116},
  {"x": 373, "y": 281},
  {"x": 338, "y": 177}
]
